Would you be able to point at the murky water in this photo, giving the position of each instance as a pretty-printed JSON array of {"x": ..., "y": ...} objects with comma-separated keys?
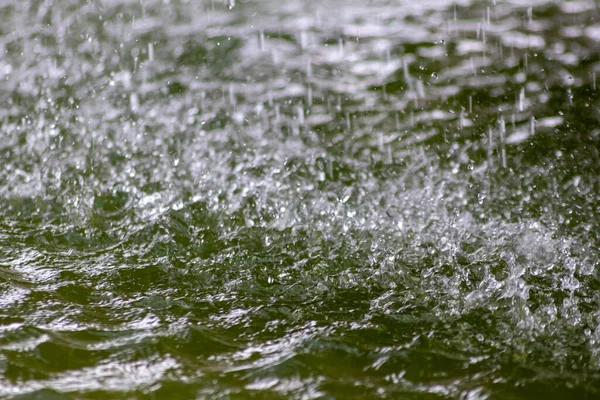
[{"x": 296, "y": 199}]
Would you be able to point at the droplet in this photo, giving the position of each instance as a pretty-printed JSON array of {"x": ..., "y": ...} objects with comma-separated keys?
[
  {"x": 481, "y": 197},
  {"x": 434, "y": 75}
]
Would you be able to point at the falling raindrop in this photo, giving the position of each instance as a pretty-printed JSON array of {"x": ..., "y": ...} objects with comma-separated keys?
[
  {"x": 521, "y": 102},
  {"x": 261, "y": 40},
  {"x": 490, "y": 148},
  {"x": 502, "y": 128}
]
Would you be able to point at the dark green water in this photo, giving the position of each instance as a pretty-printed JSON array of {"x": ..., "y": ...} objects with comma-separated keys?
[{"x": 296, "y": 199}]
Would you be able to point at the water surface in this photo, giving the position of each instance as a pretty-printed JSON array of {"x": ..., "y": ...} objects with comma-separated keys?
[{"x": 299, "y": 199}]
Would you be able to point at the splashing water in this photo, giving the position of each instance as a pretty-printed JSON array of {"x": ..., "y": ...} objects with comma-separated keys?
[{"x": 299, "y": 199}]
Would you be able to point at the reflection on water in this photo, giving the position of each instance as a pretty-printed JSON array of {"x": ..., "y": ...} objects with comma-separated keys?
[{"x": 299, "y": 199}]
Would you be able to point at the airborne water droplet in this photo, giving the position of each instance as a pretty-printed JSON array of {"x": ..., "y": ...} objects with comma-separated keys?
[{"x": 481, "y": 197}]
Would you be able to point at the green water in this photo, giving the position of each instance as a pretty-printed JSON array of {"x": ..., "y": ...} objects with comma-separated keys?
[{"x": 299, "y": 199}]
